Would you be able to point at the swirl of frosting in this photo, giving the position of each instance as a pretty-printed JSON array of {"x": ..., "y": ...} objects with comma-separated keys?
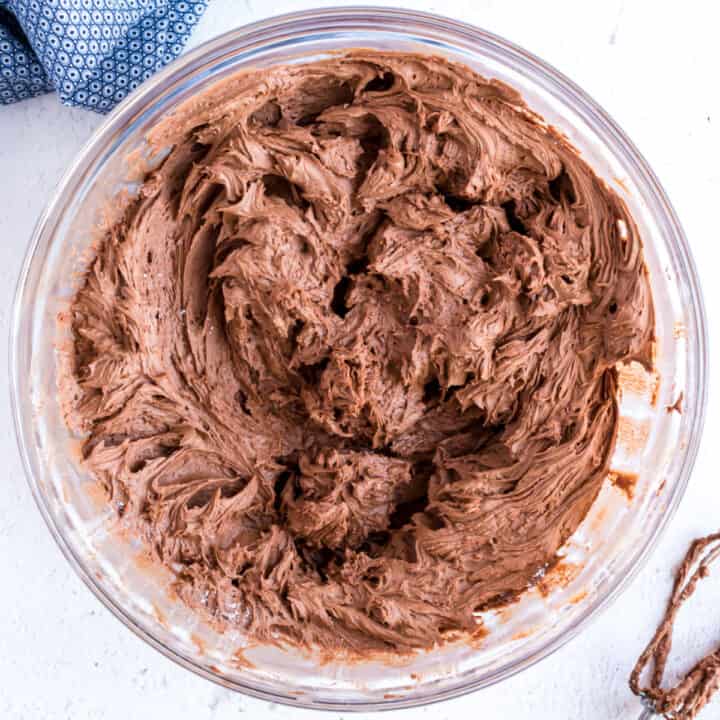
[{"x": 347, "y": 361}]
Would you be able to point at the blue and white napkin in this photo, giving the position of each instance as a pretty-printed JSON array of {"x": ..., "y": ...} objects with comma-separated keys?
[{"x": 92, "y": 52}]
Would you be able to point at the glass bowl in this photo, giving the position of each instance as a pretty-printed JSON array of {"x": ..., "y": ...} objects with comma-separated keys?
[{"x": 652, "y": 459}]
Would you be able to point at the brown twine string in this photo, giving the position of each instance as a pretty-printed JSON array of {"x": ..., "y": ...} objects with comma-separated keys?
[{"x": 693, "y": 692}]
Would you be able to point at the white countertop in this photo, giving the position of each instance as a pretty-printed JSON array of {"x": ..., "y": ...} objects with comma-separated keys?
[{"x": 62, "y": 655}]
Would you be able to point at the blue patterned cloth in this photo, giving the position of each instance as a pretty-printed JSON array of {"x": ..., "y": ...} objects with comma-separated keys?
[{"x": 93, "y": 52}]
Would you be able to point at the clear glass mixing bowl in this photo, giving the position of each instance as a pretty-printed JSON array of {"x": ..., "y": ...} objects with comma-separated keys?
[{"x": 655, "y": 448}]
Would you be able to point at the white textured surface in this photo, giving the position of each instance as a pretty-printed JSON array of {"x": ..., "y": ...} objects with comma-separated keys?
[{"x": 653, "y": 66}]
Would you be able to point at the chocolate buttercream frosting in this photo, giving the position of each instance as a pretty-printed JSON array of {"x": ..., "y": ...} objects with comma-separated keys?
[
  {"x": 694, "y": 691},
  {"x": 347, "y": 362}
]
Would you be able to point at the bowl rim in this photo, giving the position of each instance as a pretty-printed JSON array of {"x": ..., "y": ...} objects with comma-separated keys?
[{"x": 363, "y": 17}]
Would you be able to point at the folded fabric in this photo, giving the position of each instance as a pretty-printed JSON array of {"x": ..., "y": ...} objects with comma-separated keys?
[{"x": 92, "y": 52}]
